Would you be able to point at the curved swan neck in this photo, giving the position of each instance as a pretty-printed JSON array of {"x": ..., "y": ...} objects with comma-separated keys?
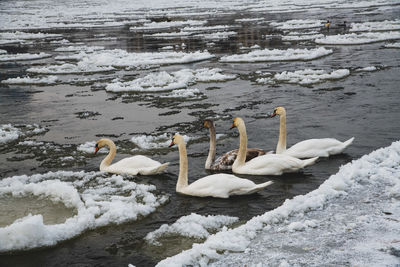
[
  {"x": 213, "y": 147},
  {"x": 281, "y": 146},
  {"x": 107, "y": 160},
  {"x": 241, "y": 157},
  {"x": 183, "y": 168}
]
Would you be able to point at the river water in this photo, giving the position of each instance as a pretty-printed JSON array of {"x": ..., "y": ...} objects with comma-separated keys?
[{"x": 364, "y": 105}]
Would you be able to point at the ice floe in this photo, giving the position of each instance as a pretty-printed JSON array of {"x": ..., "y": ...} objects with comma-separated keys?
[
  {"x": 67, "y": 68},
  {"x": 23, "y": 56},
  {"x": 164, "y": 81},
  {"x": 278, "y": 55},
  {"x": 301, "y": 37},
  {"x": 29, "y": 80},
  {"x": 97, "y": 199},
  {"x": 10, "y": 132},
  {"x": 192, "y": 226},
  {"x": 369, "y": 68},
  {"x": 305, "y": 77},
  {"x": 393, "y": 45},
  {"x": 358, "y": 206},
  {"x": 360, "y": 38},
  {"x": 79, "y": 48},
  {"x": 298, "y": 24},
  {"x": 167, "y": 24},
  {"x": 216, "y": 35},
  {"x": 154, "y": 141},
  {"x": 386, "y": 25},
  {"x": 3, "y": 51},
  {"x": 17, "y": 35},
  {"x": 183, "y": 93},
  {"x": 122, "y": 58}
]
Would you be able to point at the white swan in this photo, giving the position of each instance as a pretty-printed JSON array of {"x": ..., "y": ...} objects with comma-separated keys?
[
  {"x": 219, "y": 185},
  {"x": 132, "y": 165},
  {"x": 323, "y": 147},
  {"x": 225, "y": 161},
  {"x": 270, "y": 164}
]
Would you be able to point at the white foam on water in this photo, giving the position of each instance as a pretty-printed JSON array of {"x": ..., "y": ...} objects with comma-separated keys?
[
  {"x": 358, "y": 206},
  {"x": 3, "y": 51},
  {"x": 305, "y": 77},
  {"x": 23, "y": 56},
  {"x": 358, "y": 38},
  {"x": 29, "y": 80},
  {"x": 79, "y": 48},
  {"x": 192, "y": 226},
  {"x": 369, "y": 68},
  {"x": 98, "y": 200},
  {"x": 278, "y": 55}
]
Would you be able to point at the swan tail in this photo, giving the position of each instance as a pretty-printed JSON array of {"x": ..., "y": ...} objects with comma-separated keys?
[
  {"x": 157, "y": 170},
  {"x": 161, "y": 168},
  {"x": 260, "y": 187},
  {"x": 308, "y": 162},
  {"x": 348, "y": 142}
]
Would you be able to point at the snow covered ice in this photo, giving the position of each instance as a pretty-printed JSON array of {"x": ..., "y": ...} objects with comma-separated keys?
[
  {"x": 98, "y": 200},
  {"x": 359, "y": 206}
]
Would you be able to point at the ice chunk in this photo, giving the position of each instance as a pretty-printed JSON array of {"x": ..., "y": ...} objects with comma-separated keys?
[
  {"x": 192, "y": 226},
  {"x": 279, "y": 55},
  {"x": 361, "y": 38}
]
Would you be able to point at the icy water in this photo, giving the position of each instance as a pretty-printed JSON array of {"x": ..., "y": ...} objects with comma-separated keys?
[{"x": 53, "y": 120}]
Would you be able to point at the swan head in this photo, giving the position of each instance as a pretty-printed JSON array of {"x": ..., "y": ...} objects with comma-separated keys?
[
  {"x": 208, "y": 124},
  {"x": 101, "y": 143},
  {"x": 176, "y": 140},
  {"x": 278, "y": 111},
  {"x": 236, "y": 122}
]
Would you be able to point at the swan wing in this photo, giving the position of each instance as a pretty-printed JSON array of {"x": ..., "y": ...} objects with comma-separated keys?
[
  {"x": 322, "y": 147},
  {"x": 137, "y": 165},
  {"x": 271, "y": 164},
  {"x": 226, "y": 161},
  {"x": 222, "y": 185}
]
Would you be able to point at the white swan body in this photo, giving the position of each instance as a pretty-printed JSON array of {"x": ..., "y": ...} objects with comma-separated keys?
[
  {"x": 133, "y": 165},
  {"x": 225, "y": 161},
  {"x": 270, "y": 164},
  {"x": 217, "y": 185},
  {"x": 323, "y": 147}
]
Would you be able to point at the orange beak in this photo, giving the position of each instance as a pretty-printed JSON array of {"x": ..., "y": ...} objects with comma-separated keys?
[
  {"x": 232, "y": 126},
  {"x": 172, "y": 144},
  {"x": 96, "y": 149}
]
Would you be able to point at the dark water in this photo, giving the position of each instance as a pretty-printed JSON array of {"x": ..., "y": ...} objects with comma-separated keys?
[{"x": 364, "y": 105}]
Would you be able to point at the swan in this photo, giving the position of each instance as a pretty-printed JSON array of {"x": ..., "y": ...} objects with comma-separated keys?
[
  {"x": 270, "y": 164},
  {"x": 225, "y": 161},
  {"x": 133, "y": 165},
  {"x": 221, "y": 185},
  {"x": 323, "y": 147}
]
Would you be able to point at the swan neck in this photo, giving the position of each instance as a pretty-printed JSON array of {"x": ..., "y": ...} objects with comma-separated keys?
[
  {"x": 281, "y": 146},
  {"x": 241, "y": 157},
  {"x": 107, "y": 160},
  {"x": 183, "y": 168},
  {"x": 213, "y": 147}
]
